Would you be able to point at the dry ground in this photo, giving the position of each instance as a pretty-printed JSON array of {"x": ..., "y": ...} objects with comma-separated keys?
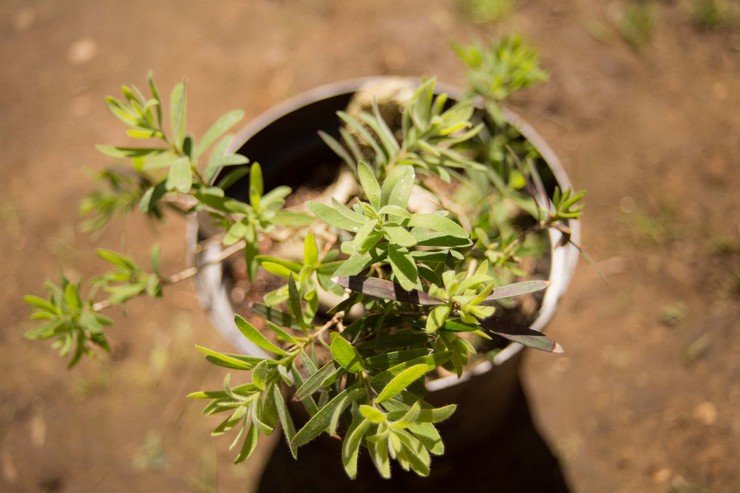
[{"x": 647, "y": 396}]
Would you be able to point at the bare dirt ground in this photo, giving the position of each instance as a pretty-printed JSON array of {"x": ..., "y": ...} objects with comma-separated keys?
[{"x": 647, "y": 395}]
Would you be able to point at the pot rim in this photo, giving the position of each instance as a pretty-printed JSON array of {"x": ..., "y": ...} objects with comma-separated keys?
[{"x": 563, "y": 261}]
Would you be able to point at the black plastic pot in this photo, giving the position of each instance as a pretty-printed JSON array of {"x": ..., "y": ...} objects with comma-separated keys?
[{"x": 285, "y": 142}]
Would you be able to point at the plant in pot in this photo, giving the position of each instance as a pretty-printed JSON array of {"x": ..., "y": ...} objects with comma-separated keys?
[{"x": 440, "y": 248}]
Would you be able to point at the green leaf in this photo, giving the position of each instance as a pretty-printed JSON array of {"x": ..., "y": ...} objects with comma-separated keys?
[
  {"x": 256, "y": 185},
  {"x": 351, "y": 445},
  {"x": 354, "y": 265},
  {"x": 392, "y": 358},
  {"x": 276, "y": 316},
  {"x": 345, "y": 353},
  {"x": 254, "y": 335},
  {"x": 180, "y": 177},
  {"x": 436, "y": 414},
  {"x": 397, "y": 186},
  {"x": 437, "y": 318},
  {"x": 399, "y": 235},
  {"x": 319, "y": 421},
  {"x": 369, "y": 184},
  {"x": 315, "y": 381},
  {"x": 367, "y": 237},
  {"x": 224, "y": 123},
  {"x": 286, "y": 421},
  {"x": 237, "y": 362},
  {"x": 439, "y": 224},
  {"x": 378, "y": 448},
  {"x": 403, "y": 266},
  {"x": 128, "y": 152},
  {"x": 401, "y": 381},
  {"x": 338, "y": 216},
  {"x": 310, "y": 251},
  {"x": 372, "y": 414},
  {"x": 178, "y": 111},
  {"x": 250, "y": 443},
  {"x": 431, "y": 360},
  {"x": 428, "y": 435}
]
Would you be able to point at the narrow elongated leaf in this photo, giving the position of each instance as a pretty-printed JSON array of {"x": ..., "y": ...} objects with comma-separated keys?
[
  {"x": 428, "y": 435},
  {"x": 286, "y": 421},
  {"x": 178, "y": 112},
  {"x": 126, "y": 152},
  {"x": 397, "y": 186},
  {"x": 226, "y": 360},
  {"x": 433, "y": 360},
  {"x": 250, "y": 443},
  {"x": 315, "y": 381},
  {"x": 288, "y": 264},
  {"x": 403, "y": 266},
  {"x": 351, "y": 445},
  {"x": 521, "y": 334},
  {"x": 224, "y": 123},
  {"x": 254, "y": 335},
  {"x": 256, "y": 185},
  {"x": 399, "y": 235},
  {"x": 401, "y": 381},
  {"x": 338, "y": 149},
  {"x": 345, "y": 353},
  {"x": 310, "y": 251},
  {"x": 353, "y": 265},
  {"x": 276, "y": 316},
  {"x": 369, "y": 184},
  {"x": 321, "y": 420},
  {"x": 380, "y": 288},
  {"x": 515, "y": 289},
  {"x": 439, "y": 224},
  {"x": 336, "y": 218},
  {"x": 387, "y": 360},
  {"x": 372, "y": 414}
]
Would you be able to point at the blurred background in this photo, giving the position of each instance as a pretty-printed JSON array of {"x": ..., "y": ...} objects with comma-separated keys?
[{"x": 642, "y": 106}]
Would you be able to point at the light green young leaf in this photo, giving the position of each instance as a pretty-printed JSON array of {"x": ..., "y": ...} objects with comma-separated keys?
[
  {"x": 310, "y": 251},
  {"x": 178, "y": 114},
  {"x": 437, "y": 318},
  {"x": 399, "y": 235},
  {"x": 372, "y": 414},
  {"x": 180, "y": 177},
  {"x": 224, "y": 123},
  {"x": 439, "y": 224},
  {"x": 250, "y": 443},
  {"x": 369, "y": 184},
  {"x": 400, "y": 382},
  {"x": 397, "y": 186},
  {"x": 345, "y": 353},
  {"x": 346, "y": 219},
  {"x": 256, "y": 185},
  {"x": 351, "y": 445},
  {"x": 319, "y": 421},
  {"x": 403, "y": 267},
  {"x": 254, "y": 335}
]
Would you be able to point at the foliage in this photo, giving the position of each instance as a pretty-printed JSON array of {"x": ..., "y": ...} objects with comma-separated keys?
[{"x": 426, "y": 278}]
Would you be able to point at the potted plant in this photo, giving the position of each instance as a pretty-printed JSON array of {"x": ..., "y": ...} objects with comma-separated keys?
[{"x": 398, "y": 272}]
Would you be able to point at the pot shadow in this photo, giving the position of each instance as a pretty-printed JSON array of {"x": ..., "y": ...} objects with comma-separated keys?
[{"x": 513, "y": 458}]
